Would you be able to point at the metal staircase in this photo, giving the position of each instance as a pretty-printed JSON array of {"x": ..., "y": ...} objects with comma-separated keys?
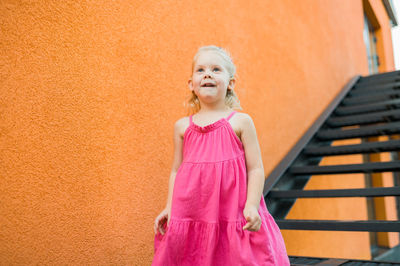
[{"x": 367, "y": 107}]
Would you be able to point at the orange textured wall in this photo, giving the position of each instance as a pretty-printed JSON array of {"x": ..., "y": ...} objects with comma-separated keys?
[
  {"x": 90, "y": 91},
  {"x": 384, "y": 37}
]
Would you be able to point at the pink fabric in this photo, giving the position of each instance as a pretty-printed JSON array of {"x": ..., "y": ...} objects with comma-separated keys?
[{"x": 210, "y": 191}]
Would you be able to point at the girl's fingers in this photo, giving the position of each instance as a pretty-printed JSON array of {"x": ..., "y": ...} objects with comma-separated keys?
[
  {"x": 247, "y": 226},
  {"x": 155, "y": 225},
  {"x": 253, "y": 224},
  {"x": 249, "y": 223},
  {"x": 161, "y": 226},
  {"x": 159, "y": 223},
  {"x": 257, "y": 226}
]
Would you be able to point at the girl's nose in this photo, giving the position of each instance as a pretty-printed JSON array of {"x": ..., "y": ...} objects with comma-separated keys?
[{"x": 207, "y": 73}]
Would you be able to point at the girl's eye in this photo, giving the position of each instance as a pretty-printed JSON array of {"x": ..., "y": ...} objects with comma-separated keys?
[{"x": 215, "y": 69}]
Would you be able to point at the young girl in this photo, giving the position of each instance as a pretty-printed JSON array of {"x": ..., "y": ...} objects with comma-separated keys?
[{"x": 215, "y": 212}]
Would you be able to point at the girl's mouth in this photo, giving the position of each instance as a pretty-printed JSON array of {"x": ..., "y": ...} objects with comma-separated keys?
[{"x": 208, "y": 85}]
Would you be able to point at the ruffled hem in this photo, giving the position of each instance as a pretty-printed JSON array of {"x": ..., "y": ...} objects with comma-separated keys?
[{"x": 220, "y": 243}]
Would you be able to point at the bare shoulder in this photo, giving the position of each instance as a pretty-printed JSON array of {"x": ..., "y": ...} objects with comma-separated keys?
[
  {"x": 243, "y": 117},
  {"x": 241, "y": 122},
  {"x": 181, "y": 125}
]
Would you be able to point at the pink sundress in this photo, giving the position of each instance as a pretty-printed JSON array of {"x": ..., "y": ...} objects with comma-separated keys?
[{"x": 209, "y": 195}]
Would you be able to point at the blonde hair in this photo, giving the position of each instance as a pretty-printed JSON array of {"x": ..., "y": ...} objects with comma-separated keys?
[{"x": 231, "y": 98}]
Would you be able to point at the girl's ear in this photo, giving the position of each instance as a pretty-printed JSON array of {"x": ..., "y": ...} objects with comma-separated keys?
[
  {"x": 190, "y": 84},
  {"x": 231, "y": 84}
]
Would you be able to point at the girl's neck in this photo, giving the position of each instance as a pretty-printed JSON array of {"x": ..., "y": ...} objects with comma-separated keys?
[{"x": 214, "y": 110}]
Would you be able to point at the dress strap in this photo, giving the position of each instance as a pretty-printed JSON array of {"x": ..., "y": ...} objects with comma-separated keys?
[
  {"x": 230, "y": 115},
  {"x": 190, "y": 120}
]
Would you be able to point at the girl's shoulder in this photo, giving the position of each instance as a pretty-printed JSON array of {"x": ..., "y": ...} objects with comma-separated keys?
[
  {"x": 241, "y": 116},
  {"x": 239, "y": 122},
  {"x": 244, "y": 119},
  {"x": 181, "y": 125}
]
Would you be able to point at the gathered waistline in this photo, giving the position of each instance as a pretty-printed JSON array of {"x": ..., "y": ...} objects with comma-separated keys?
[
  {"x": 208, "y": 222},
  {"x": 240, "y": 155}
]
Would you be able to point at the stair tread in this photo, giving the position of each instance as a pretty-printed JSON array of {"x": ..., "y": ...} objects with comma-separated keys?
[
  {"x": 378, "y": 86},
  {"x": 340, "y": 225},
  {"x": 346, "y": 168},
  {"x": 374, "y": 117},
  {"x": 308, "y": 260},
  {"x": 367, "y": 147},
  {"x": 364, "y": 131},
  {"x": 368, "y": 107},
  {"x": 359, "y": 192}
]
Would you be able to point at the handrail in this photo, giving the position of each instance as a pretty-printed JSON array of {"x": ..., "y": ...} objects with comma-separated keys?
[{"x": 284, "y": 164}]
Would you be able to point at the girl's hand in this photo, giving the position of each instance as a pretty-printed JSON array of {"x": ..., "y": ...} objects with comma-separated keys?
[
  {"x": 253, "y": 219},
  {"x": 161, "y": 219}
]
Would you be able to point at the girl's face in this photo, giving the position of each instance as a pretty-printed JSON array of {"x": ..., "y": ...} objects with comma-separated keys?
[{"x": 210, "y": 79}]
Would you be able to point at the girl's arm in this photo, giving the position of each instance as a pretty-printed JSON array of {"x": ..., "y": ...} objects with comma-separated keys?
[
  {"x": 254, "y": 164},
  {"x": 178, "y": 140}
]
